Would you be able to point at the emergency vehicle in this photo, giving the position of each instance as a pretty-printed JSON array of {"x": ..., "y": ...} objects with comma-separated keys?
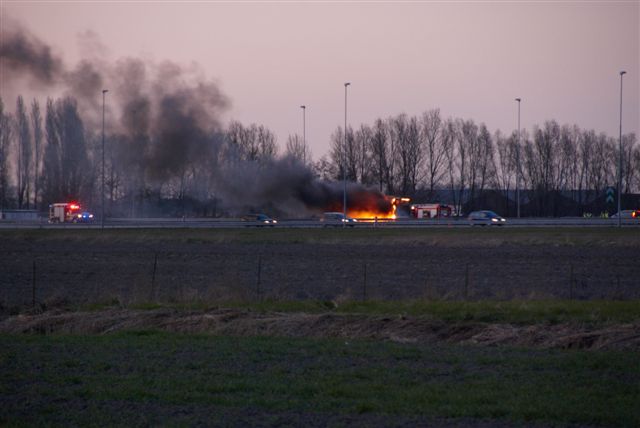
[
  {"x": 430, "y": 211},
  {"x": 63, "y": 212}
]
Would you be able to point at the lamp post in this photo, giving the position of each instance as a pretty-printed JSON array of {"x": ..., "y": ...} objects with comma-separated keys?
[
  {"x": 622, "y": 73},
  {"x": 104, "y": 91},
  {"x": 304, "y": 135},
  {"x": 518, "y": 164},
  {"x": 344, "y": 160}
]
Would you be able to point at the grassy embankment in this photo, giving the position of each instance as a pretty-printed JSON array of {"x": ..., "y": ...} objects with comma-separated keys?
[{"x": 158, "y": 378}]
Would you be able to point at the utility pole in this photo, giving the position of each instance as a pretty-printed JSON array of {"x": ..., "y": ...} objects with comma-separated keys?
[
  {"x": 518, "y": 164},
  {"x": 104, "y": 91},
  {"x": 344, "y": 160},
  {"x": 304, "y": 135},
  {"x": 622, "y": 73}
]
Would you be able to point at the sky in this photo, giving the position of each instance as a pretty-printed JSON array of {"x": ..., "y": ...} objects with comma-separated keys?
[{"x": 469, "y": 59}]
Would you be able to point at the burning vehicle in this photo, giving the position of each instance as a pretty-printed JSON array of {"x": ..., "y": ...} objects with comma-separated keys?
[{"x": 367, "y": 205}]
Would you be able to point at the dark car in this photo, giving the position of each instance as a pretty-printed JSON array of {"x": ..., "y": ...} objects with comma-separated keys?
[
  {"x": 259, "y": 220},
  {"x": 337, "y": 219},
  {"x": 83, "y": 217},
  {"x": 486, "y": 218}
]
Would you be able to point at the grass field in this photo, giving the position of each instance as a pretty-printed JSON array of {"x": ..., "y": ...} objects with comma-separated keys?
[
  {"x": 147, "y": 378},
  {"x": 423, "y": 294}
]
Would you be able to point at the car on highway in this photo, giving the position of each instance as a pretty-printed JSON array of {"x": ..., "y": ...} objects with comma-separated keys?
[
  {"x": 486, "y": 218},
  {"x": 259, "y": 220},
  {"x": 628, "y": 214},
  {"x": 337, "y": 219},
  {"x": 83, "y": 217}
]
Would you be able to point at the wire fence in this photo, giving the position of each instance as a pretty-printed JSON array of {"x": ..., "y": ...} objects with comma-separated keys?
[{"x": 318, "y": 272}]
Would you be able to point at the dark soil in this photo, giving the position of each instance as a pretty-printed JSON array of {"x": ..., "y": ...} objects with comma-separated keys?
[{"x": 100, "y": 270}]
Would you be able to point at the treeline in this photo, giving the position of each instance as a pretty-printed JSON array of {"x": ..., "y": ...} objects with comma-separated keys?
[
  {"x": 179, "y": 166},
  {"x": 560, "y": 170}
]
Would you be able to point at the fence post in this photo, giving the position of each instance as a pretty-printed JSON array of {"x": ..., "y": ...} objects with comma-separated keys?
[
  {"x": 258, "y": 278},
  {"x": 33, "y": 285},
  {"x": 153, "y": 277},
  {"x": 466, "y": 282},
  {"x": 571, "y": 280},
  {"x": 364, "y": 283}
]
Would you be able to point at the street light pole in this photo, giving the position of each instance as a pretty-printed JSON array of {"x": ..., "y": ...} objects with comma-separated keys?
[
  {"x": 518, "y": 164},
  {"x": 344, "y": 160},
  {"x": 304, "y": 135},
  {"x": 622, "y": 73},
  {"x": 104, "y": 91}
]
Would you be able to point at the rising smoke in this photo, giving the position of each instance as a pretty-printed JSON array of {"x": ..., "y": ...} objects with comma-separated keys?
[
  {"x": 22, "y": 53},
  {"x": 168, "y": 120}
]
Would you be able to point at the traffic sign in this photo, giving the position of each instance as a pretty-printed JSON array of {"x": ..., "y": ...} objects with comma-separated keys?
[{"x": 610, "y": 192}]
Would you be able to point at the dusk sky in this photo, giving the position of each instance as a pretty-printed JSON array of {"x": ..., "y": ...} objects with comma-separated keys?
[{"x": 470, "y": 59}]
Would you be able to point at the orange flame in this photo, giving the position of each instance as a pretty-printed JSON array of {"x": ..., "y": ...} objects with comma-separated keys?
[{"x": 386, "y": 210}]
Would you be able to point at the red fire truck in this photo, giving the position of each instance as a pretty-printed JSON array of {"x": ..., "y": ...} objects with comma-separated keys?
[
  {"x": 63, "y": 212},
  {"x": 430, "y": 211}
]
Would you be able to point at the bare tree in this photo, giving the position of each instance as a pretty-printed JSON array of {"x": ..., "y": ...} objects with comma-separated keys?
[
  {"x": 343, "y": 154},
  {"x": 457, "y": 161},
  {"x": 380, "y": 154},
  {"x": 362, "y": 141},
  {"x": 51, "y": 165},
  {"x": 628, "y": 172},
  {"x": 298, "y": 149},
  {"x": 504, "y": 165},
  {"x": 433, "y": 134},
  {"x": 23, "y": 154},
  {"x": 251, "y": 143},
  {"x": 599, "y": 169},
  {"x": 484, "y": 152},
  {"x": 36, "y": 124},
  {"x": 636, "y": 166},
  {"x": 267, "y": 146},
  {"x": 405, "y": 137},
  {"x": 5, "y": 141}
]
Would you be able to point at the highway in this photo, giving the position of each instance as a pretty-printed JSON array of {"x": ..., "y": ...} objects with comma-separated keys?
[{"x": 209, "y": 223}]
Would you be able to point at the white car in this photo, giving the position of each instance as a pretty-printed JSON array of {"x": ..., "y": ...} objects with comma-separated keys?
[
  {"x": 486, "y": 218},
  {"x": 628, "y": 214}
]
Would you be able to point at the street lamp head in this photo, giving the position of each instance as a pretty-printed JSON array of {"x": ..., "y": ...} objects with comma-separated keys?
[
  {"x": 347, "y": 84},
  {"x": 303, "y": 107},
  {"x": 104, "y": 91},
  {"x": 623, "y": 72},
  {"x": 518, "y": 99}
]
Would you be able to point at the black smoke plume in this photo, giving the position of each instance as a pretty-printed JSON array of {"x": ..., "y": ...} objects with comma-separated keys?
[
  {"x": 164, "y": 122},
  {"x": 21, "y": 53}
]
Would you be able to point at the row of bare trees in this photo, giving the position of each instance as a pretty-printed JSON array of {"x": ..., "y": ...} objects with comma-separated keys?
[
  {"x": 56, "y": 158},
  {"x": 421, "y": 155},
  {"x": 50, "y": 157}
]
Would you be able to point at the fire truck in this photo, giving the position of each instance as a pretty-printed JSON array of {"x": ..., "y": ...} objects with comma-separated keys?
[
  {"x": 63, "y": 212},
  {"x": 430, "y": 211}
]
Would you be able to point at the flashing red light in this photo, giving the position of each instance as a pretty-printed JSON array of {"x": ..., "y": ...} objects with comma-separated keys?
[
  {"x": 74, "y": 206},
  {"x": 634, "y": 214}
]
